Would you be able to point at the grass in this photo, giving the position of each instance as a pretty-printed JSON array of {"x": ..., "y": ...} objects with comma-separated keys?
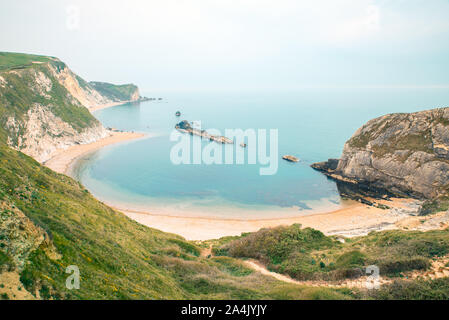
[
  {"x": 121, "y": 259},
  {"x": 437, "y": 289},
  {"x": 434, "y": 205},
  {"x": 117, "y": 257},
  {"x": 6, "y": 263},
  {"x": 115, "y": 92},
  {"x": 415, "y": 142},
  {"x": 306, "y": 254},
  {"x": 10, "y": 60}
]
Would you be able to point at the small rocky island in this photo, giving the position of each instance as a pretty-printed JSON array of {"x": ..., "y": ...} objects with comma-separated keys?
[
  {"x": 290, "y": 158},
  {"x": 178, "y": 113},
  {"x": 186, "y": 127}
]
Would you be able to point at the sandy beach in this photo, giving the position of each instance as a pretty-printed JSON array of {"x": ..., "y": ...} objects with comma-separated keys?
[
  {"x": 352, "y": 220},
  {"x": 108, "y": 105},
  {"x": 63, "y": 159}
]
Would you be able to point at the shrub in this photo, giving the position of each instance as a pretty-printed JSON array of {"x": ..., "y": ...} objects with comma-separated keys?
[
  {"x": 394, "y": 267},
  {"x": 352, "y": 258}
]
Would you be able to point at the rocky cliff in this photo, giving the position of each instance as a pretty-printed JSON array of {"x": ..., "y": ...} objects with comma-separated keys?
[
  {"x": 117, "y": 93},
  {"x": 404, "y": 154},
  {"x": 44, "y": 105}
]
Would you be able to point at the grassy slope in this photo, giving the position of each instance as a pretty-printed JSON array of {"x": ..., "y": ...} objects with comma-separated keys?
[
  {"x": 308, "y": 254},
  {"x": 117, "y": 257},
  {"x": 115, "y": 92},
  {"x": 10, "y": 60}
]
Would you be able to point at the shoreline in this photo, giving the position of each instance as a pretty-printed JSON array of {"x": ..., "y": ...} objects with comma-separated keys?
[
  {"x": 64, "y": 159},
  {"x": 354, "y": 220},
  {"x": 112, "y": 104}
]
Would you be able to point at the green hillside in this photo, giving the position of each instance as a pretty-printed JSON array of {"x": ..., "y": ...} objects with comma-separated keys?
[
  {"x": 307, "y": 254},
  {"x": 11, "y": 60},
  {"x": 114, "y": 92},
  {"x": 117, "y": 257},
  {"x": 48, "y": 221}
]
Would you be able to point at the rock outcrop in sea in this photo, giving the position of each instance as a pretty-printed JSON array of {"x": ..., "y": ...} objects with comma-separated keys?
[
  {"x": 186, "y": 127},
  {"x": 290, "y": 158},
  {"x": 402, "y": 154}
]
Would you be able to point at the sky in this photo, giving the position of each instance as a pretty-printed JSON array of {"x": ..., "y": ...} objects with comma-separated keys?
[{"x": 238, "y": 44}]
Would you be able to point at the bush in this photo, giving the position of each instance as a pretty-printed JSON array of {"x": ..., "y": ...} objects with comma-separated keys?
[
  {"x": 434, "y": 206},
  {"x": 352, "y": 258},
  {"x": 393, "y": 267},
  {"x": 412, "y": 290},
  {"x": 6, "y": 263}
]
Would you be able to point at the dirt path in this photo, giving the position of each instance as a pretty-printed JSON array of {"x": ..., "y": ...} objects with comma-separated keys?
[
  {"x": 257, "y": 266},
  {"x": 207, "y": 252},
  {"x": 438, "y": 269},
  {"x": 12, "y": 288}
]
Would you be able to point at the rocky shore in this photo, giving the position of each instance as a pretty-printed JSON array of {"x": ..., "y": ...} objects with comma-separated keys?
[{"x": 401, "y": 155}]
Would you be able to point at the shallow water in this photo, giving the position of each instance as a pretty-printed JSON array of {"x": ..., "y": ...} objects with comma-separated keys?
[{"x": 312, "y": 124}]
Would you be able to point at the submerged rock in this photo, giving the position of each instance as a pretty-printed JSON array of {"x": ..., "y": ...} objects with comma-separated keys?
[
  {"x": 184, "y": 124},
  {"x": 290, "y": 158}
]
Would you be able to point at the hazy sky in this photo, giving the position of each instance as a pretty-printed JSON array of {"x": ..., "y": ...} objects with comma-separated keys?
[{"x": 227, "y": 44}]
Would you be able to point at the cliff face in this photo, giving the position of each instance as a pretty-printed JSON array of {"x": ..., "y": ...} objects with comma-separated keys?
[
  {"x": 403, "y": 154},
  {"x": 43, "y": 105},
  {"x": 125, "y": 92}
]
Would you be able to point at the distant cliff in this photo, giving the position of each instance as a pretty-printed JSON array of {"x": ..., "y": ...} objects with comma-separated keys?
[
  {"x": 43, "y": 105},
  {"x": 405, "y": 154},
  {"x": 125, "y": 92}
]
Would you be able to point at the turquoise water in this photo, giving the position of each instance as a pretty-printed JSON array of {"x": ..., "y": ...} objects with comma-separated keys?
[{"x": 312, "y": 125}]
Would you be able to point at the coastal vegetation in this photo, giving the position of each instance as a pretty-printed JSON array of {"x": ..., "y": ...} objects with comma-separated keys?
[
  {"x": 49, "y": 221},
  {"x": 117, "y": 257},
  {"x": 401, "y": 155},
  {"x": 124, "y": 92},
  {"x": 10, "y": 60},
  {"x": 437, "y": 289},
  {"x": 307, "y": 254},
  {"x": 23, "y": 92},
  {"x": 435, "y": 205}
]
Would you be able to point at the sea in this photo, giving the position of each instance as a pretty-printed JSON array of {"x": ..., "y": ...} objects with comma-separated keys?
[{"x": 310, "y": 124}]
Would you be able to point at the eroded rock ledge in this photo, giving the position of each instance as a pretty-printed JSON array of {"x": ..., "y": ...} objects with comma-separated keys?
[{"x": 404, "y": 154}]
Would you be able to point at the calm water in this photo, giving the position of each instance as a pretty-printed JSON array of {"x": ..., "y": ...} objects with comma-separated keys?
[{"x": 312, "y": 124}]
